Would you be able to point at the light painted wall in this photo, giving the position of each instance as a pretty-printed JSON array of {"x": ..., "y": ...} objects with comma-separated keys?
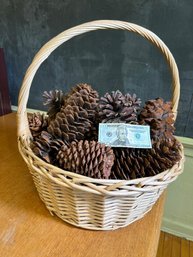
[{"x": 178, "y": 213}]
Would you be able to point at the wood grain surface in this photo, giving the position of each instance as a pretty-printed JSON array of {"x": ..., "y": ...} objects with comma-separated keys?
[
  {"x": 173, "y": 246},
  {"x": 27, "y": 228}
]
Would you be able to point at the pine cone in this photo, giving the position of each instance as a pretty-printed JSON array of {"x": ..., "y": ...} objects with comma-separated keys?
[
  {"x": 163, "y": 155},
  {"x": 135, "y": 163},
  {"x": 76, "y": 118},
  {"x": 159, "y": 116},
  {"x": 71, "y": 123},
  {"x": 88, "y": 158},
  {"x": 54, "y": 99},
  {"x": 83, "y": 86},
  {"x": 37, "y": 123},
  {"x": 116, "y": 107},
  {"x": 85, "y": 97},
  {"x": 126, "y": 165},
  {"x": 46, "y": 147}
]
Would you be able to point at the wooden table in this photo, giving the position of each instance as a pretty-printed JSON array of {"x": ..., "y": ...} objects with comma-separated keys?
[{"x": 28, "y": 230}]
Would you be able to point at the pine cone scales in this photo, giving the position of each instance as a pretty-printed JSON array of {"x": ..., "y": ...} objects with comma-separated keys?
[
  {"x": 93, "y": 133},
  {"x": 84, "y": 101},
  {"x": 37, "y": 123},
  {"x": 70, "y": 124},
  {"x": 46, "y": 147},
  {"x": 159, "y": 116},
  {"x": 88, "y": 158},
  {"x": 85, "y": 97},
  {"x": 54, "y": 99},
  {"x": 135, "y": 163},
  {"x": 116, "y": 107},
  {"x": 76, "y": 117},
  {"x": 82, "y": 86}
]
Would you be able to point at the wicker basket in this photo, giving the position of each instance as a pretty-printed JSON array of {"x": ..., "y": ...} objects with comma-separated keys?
[{"x": 79, "y": 200}]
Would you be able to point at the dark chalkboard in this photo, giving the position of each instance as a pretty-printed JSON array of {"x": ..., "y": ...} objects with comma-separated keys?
[{"x": 108, "y": 60}]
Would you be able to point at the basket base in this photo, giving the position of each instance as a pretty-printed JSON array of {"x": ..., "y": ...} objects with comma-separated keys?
[
  {"x": 98, "y": 224},
  {"x": 91, "y": 227}
]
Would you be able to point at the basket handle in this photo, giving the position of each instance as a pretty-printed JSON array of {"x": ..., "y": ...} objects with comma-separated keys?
[{"x": 51, "y": 45}]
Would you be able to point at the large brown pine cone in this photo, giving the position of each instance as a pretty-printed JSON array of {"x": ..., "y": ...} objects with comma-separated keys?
[
  {"x": 83, "y": 86},
  {"x": 37, "y": 123},
  {"x": 116, "y": 107},
  {"x": 135, "y": 163},
  {"x": 84, "y": 96},
  {"x": 71, "y": 123},
  {"x": 76, "y": 119},
  {"x": 46, "y": 147},
  {"x": 88, "y": 158},
  {"x": 54, "y": 99},
  {"x": 159, "y": 116}
]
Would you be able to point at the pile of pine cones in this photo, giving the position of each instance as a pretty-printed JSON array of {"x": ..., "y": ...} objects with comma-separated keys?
[{"x": 67, "y": 136}]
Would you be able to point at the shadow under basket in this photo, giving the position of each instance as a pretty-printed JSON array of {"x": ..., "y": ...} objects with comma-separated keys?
[{"x": 97, "y": 204}]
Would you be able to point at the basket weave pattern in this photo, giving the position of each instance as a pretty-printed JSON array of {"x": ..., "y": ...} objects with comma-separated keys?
[{"x": 85, "y": 202}]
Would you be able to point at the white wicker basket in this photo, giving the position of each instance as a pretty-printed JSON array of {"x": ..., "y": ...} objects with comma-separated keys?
[{"x": 79, "y": 200}]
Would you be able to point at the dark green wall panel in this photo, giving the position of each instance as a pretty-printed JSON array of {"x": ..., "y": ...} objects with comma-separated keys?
[{"x": 108, "y": 60}]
